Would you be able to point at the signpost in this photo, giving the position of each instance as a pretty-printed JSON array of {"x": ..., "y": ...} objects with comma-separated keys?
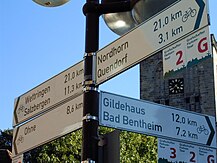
[
  {"x": 61, "y": 97},
  {"x": 174, "y": 151},
  {"x": 49, "y": 94},
  {"x": 55, "y": 123},
  {"x": 149, "y": 38},
  {"x": 157, "y": 120}
]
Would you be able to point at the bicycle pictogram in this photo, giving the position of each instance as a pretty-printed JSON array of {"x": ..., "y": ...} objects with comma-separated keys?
[
  {"x": 189, "y": 13},
  {"x": 20, "y": 109},
  {"x": 202, "y": 129},
  {"x": 20, "y": 140}
]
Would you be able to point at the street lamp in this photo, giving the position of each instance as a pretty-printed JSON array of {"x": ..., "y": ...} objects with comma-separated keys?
[
  {"x": 145, "y": 9},
  {"x": 122, "y": 22},
  {"x": 50, "y": 3},
  {"x": 120, "y": 13}
]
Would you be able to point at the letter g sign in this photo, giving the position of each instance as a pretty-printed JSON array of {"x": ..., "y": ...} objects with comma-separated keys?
[
  {"x": 203, "y": 45},
  {"x": 210, "y": 159}
]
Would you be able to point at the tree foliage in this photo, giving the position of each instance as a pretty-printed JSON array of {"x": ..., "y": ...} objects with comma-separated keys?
[
  {"x": 6, "y": 139},
  {"x": 134, "y": 148},
  {"x": 66, "y": 149},
  {"x": 138, "y": 148}
]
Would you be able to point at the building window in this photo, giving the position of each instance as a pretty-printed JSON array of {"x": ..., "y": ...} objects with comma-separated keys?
[
  {"x": 197, "y": 98},
  {"x": 187, "y": 100},
  {"x": 167, "y": 102}
]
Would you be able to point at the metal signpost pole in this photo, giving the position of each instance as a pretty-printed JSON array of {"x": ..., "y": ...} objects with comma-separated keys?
[
  {"x": 91, "y": 95},
  {"x": 92, "y": 10}
]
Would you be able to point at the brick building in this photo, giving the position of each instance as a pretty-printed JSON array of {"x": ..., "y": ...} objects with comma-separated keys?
[{"x": 197, "y": 82}]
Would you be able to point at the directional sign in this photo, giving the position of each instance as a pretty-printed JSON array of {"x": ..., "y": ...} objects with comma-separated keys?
[
  {"x": 50, "y": 93},
  {"x": 18, "y": 159},
  {"x": 55, "y": 123},
  {"x": 154, "y": 119},
  {"x": 174, "y": 151},
  {"x": 165, "y": 28},
  {"x": 187, "y": 52}
]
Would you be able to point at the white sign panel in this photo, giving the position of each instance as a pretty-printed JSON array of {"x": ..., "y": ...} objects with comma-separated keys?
[
  {"x": 165, "y": 28},
  {"x": 173, "y": 151},
  {"x": 50, "y": 93},
  {"x": 55, "y": 123},
  {"x": 18, "y": 159},
  {"x": 154, "y": 119},
  {"x": 188, "y": 52}
]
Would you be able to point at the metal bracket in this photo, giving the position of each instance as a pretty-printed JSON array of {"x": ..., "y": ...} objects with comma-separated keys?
[
  {"x": 89, "y": 117},
  {"x": 88, "y": 83},
  {"x": 91, "y": 77},
  {"x": 112, "y": 7},
  {"x": 89, "y": 88},
  {"x": 89, "y": 54},
  {"x": 88, "y": 161},
  {"x": 102, "y": 141}
]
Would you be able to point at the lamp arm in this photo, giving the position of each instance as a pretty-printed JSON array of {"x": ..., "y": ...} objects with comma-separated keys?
[
  {"x": 133, "y": 2},
  {"x": 111, "y": 7}
]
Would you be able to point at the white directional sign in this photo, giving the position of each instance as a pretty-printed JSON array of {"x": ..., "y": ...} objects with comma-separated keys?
[
  {"x": 187, "y": 52},
  {"x": 18, "y": 159},
  {"x": 154, "y": 119},
  {"x": 173, "y": 151},
  {"x": 158, "y": 32},
  {"x": 50, "y": 93},
  {"x": 55, "y": 123}
]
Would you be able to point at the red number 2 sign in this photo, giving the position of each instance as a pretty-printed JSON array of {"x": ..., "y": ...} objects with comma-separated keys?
[
  {"x": 180, "y": 58},
  {"x": 192, "y": 157}
]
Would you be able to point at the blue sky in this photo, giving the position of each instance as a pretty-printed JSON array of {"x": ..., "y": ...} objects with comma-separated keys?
[{"x": 37, "y": 43}]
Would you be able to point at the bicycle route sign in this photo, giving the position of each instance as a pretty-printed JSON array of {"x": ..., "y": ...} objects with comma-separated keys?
[
  {"x": 167, "y": 27},
  {"x": 55, "y": 123},
  {"x": 182, "y": 152},
  {"x": 49, "y": 94},
  {"x": 156, "y": 120}
]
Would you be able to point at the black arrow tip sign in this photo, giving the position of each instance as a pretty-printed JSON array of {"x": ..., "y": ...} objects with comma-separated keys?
[
  {"x": 212, "y": 133},
  {"x": 15, "y": 140},
  {"x": 201, "y": 4},
  {"x": 15, "y": 110}
]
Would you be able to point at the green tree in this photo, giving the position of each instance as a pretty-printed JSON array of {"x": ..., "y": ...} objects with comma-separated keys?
[
  {"x": 134, "y": 148},
  {"x": 138, "y": 148},
  {"x": 6, "y": 137},
  {"x": 66, "y": 149}
]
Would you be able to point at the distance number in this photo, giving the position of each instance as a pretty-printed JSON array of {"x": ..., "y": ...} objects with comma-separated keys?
[
  {"x": 69, "y": 89},
  {"x": 177, "y": 118},
  {"x": 69, "y": 76},
  {"x": 70, "y": 109},
  {"x": 158, "y": 24},
  {"x": 163, "y": 37}
]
